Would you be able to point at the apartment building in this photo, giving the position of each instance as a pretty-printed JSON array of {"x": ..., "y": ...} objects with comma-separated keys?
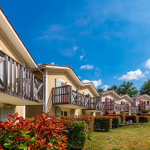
[
  {"x": 116, "y": 104},
  {"x": 18, "y": 85},
  {"x": 142, "y": 102},
  {"x": 65, "y": 93}
]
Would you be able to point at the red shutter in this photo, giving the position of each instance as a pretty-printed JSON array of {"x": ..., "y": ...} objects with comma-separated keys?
[
  {"x": 114, "y": 101},
  {"x": 127, "y": 103},
  {"x": 122, "y": 102},
  {"x": 147, "y": 102},
  {"x": 107, "y": 103}
]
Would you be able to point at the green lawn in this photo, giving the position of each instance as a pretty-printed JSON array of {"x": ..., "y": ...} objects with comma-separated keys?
[{"x": 136, "y": 137}]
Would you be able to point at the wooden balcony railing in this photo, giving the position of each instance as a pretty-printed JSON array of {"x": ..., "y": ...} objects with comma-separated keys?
[
  {"x": 65, "y": 95},
  {"x": 18, "y": 81},
  {"x": 144, "y": 106},
  {"x": 119, "y": 107}
]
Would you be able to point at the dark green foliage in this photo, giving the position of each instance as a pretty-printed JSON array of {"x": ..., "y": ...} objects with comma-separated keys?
[
  {"x": 116, "y": 121},
  {"x": 144, "y": 119},
  {"x": 77, "y": 134},
  {"x": 134, "y": 118},
  {"x": 145, "y": 88},
  {"x": 102, "y": 123},
  {"x": 125, "y": 88}
]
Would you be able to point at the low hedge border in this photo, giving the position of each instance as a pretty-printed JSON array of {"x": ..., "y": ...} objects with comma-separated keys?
[{"x": 134, "y": 118}]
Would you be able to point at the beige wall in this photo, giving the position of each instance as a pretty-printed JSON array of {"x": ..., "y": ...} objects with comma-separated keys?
[
  {"x": 4, "y": 44},
  {"x": 88, "y": 90}
]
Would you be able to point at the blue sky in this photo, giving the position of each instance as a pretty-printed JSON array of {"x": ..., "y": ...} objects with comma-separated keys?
[{"x": 107, "y": 42}]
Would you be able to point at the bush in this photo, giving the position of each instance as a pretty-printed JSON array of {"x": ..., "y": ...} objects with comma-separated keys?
[
  {"x": 78, "y": 132},
  {"x": 89, "y": 120},
  {"x": 103, "y": 123},
  {"x": 144, "y": 119},
  {"x": 122, "y": 116},
  {"x": 116, "y": 121},
  {"x": 134, "y": 118},
  {"x": 41, "y": 132}
]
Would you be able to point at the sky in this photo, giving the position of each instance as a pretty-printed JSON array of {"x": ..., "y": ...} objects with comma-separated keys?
[{"x": 107, "y": 42}]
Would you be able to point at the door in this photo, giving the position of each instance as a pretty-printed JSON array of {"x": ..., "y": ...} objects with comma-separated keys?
[{"x": 65, "y": 113}]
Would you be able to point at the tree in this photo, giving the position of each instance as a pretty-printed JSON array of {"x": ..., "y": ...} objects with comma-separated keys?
[
  {"x": 100, "y": 90},
  {"x": 128, "y": 88},
  {"x": 145, "y": 88},
  {"x": 125, "y": 88}
]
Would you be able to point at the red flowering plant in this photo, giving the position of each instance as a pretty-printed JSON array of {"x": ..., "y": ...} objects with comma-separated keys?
[{"x": 40, "y": 132}]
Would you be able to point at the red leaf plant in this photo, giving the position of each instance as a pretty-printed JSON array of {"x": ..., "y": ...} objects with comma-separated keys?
[{"x": 40, "y": 132}]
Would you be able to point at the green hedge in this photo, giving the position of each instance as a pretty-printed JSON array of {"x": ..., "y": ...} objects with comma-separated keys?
[
  {"x": 134, "y": 118},
  {"x": 116, "y": 121},
  {"x": 122, "y": 117},
  {"x": 103, "y": 123},
  {"x": 89, "y": 120},
  {"x": 78, "y": 132},
  {"x": 144, "y": 119}
]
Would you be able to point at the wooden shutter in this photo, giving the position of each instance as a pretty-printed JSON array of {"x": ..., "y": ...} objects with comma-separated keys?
[
  {"x": 57, "y": 83},
  {"x": 3, "y": 115},
  {"x": 91, "y": 114},
  {"x": 72, "y": 112},
  {"x": 107, "y": 103},
  {"x": 122, "y": 102},
  {"x": 57, "y": 112}
]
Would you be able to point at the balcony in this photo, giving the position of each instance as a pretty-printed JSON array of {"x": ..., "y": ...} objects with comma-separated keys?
[
  {"x": 19, "y": 86},
  {"x": 66, "y": 97},
  {"x": 144, "y": 106},
  {"x": 112, "y": 106}
]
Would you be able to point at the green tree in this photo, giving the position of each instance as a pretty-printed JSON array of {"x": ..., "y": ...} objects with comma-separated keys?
[
  {"x": 145, "y": 88},
  {"x": 100, "y": 90},
  {"x": 125, "y": 88}
]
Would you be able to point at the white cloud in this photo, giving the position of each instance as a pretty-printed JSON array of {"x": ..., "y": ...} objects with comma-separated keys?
[
  {"x": 81, "y": 57},
  {"x": 105, "y": 87},
  {"x": 87, "y": 67},
  {"x": 52, "y": 63},
  {"x": 147, "y": 64},
  {"x": 115, "y": 77},
  {"x": 96, "y": 83},
  {"x": 133, "y": 75},
  {"x": 75, "y": 48}
]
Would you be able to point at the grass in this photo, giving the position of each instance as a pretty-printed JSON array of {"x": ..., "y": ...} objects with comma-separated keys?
[{"x": 135, "y": 137}]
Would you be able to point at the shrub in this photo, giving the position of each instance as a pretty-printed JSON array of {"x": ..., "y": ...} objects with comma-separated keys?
[
  {"x": 41, "y": 132},
  {"x": 134, "y": 118},
  {"x": 116, "y": 121},
  {"x": 144, "y": 119},
  {"x": 89, "y": 120},
  {"x": 122, "y": 116},
  {"x": 103, "y": 123},
  {"x": 77, "y": 134}
]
